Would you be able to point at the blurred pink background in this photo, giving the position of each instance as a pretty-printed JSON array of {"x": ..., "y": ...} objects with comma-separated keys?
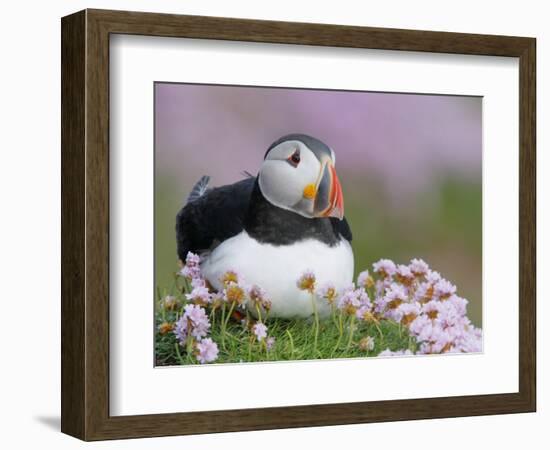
[{"x": 402, "y": 140}]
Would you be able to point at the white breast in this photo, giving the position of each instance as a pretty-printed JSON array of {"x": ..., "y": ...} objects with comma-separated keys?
[{"x": 277, "y": 268}]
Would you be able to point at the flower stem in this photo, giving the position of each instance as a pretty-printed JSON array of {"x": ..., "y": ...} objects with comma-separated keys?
[
  {"x": 259, "y": 312},
  {"x": 316, "y": 326},
  {"x": 186, "y": 286},
  {"x": 163, "y": 310},
  {"x": 189, "y": 349},
  {"x": 223, "y": 325},
  {"x": 225, "y": 322},
  {"x": 333, "y": 314},
  {"x": 178, "y": 353},
  {"x": 212, "y": 315},
  {"x": 379, "y": 330},
  {"x": 291, "y": 342},
  {"x": 341, "y": 332},
  {"x": 229, "y": 315},
  {"x": 351, "y": 330}
]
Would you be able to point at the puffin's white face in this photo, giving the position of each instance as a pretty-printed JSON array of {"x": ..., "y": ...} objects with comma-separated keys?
[{"x": 294, "y": 178}]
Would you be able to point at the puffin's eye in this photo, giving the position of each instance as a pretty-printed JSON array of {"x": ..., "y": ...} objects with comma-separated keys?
[{"x": 294, "y": 159}]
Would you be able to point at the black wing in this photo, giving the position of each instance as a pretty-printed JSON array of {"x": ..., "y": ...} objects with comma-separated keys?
[
  {"x": 212, "y": 217},
  {"x": 342, "y": 227}
]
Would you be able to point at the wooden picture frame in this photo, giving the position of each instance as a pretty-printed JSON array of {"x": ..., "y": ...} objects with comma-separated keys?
[{"x": 85, "y": 224}]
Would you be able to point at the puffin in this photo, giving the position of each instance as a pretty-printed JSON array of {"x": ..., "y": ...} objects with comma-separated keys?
[{"x": 273, "y": 227}]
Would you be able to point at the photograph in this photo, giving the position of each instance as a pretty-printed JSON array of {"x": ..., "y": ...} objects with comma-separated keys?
[{"x": 302, "y": 224}]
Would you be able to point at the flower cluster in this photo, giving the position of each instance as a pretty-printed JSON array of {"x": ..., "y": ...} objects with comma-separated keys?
[
  {"x": 194, "y": 324},
  {"x": 207, "y": 351},
  {"x": 427, "y": 304},
  {"x": 191, "y": 269},
  {"x": 200, "y": 295},
  {"x": 411, "y": 295},
  {"x": 351, "y": 300}
]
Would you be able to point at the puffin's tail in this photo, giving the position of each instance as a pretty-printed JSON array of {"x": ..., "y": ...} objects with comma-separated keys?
[{"x": 199, "y": 189}]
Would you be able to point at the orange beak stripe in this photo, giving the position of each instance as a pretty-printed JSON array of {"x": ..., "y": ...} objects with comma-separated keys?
[{"x": 336, "y": 196}]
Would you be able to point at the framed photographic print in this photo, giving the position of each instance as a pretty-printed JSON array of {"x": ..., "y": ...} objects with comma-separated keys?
[{"x": 271, "y": 224}]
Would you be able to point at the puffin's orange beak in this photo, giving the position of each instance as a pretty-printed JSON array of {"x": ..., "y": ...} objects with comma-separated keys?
[
  {"x": 329, "y": 200},
  {"x": 336, "y": 196}
]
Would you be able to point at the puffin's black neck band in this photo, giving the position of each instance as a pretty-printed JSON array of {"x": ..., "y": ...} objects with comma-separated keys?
[{"x": 270, "y": 224}]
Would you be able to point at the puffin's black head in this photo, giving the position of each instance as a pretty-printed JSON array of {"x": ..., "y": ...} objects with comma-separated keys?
[{"x": 298, "y": 175}]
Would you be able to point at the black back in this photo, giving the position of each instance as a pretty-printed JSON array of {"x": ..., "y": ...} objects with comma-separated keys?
[{"x": 225, "y": 211}]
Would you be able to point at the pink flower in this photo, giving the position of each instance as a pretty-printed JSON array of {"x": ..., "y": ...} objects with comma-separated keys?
[
  {"x": 404, "y": 275},
  {"x": 385, "y": 268},
  {"x": 363, "y": 297},
  {"x": 192, "y": 266},
  {"x": 192, "y": 259},
  {"x": 406, "y": 313},
  {"x": 421, "y": 327},
  {"x": 350, "y": 300},
  {"x": 198, "y": 282},
  {"x": 257, "y": 294},
  {"x": 380, "y": 286},
  {"x": 306, "y": 282},
  {"x": 207, "y": 351},
  {"x": 395, "y": 295},
  {"x": 234, "y": 293},
  {"x": 448, "y": 315},
  {"x": 190, "y": 272},
  {"x": 328, "y": 292},
  {"x": 470, "y": 341},
  {"x": 424, "y": 292},
  {"x": 259, "y": 297},
  {"x": 438, "y": 341},
  {"x": 444, "y": 289},
  {"x": 418, "y": 267},
  {"x": 365, "y": 313},
  {"x": 364, "y": 279},
  {"x": 260, "y": 330},
  {"x": 432, "y": 276},
  {"x": 270, "y": 342},
  {"x": 431, "y": 309},
  {"x": 231, "y": 276},
  {"x": 460, "y": 304},
  {"x": 194, "y": 322},
  {"x": 199, "y": 294},
  {"x": 217, "y": 299}
]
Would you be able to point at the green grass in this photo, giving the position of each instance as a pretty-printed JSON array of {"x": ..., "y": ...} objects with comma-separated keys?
[{"x": 294, "y": 339}]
